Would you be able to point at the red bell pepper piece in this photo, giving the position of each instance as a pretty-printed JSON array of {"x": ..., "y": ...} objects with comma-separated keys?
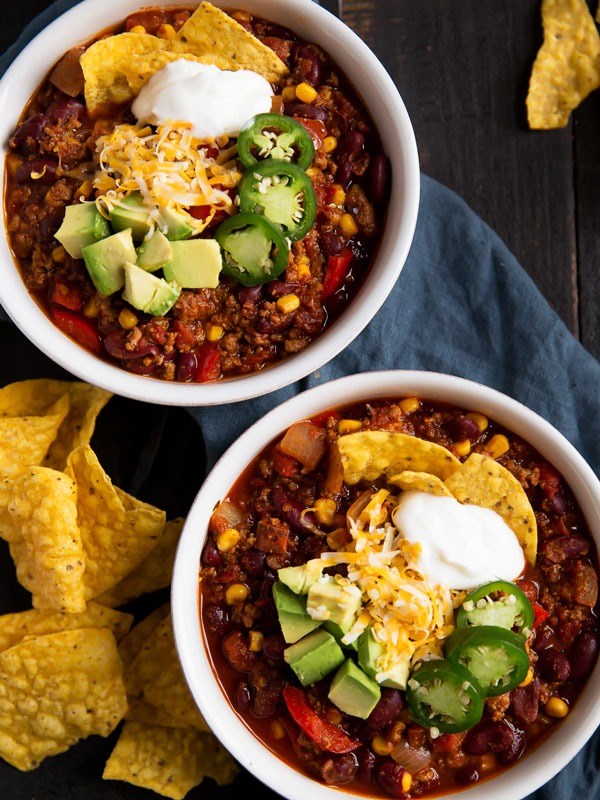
[
  {"x": 209, "y": 363},
  {"x": 449, "y": 742},
  {"x": 67, "y": 295},
  {"x": 549, "y": 480},
  {"x": 539, "y": 615},
  {"x": 336, "y": 272},
  {"x": 327, "y": 735},
  {"x": 78, "y": 327},
  {"x": 316, "y": 128},
  {"x": 283, "y": 464}
]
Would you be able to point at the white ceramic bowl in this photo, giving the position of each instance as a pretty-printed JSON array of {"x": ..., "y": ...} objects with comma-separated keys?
[
  {"x": 383, "y": 101},
  {"x": 518, "y": 781}
]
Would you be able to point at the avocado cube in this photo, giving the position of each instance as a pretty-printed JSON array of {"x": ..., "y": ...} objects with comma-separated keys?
[
  {"x": 336, "y": 603},
  {"x": 314, "y": 656},
  {"x": 82, "y": 225},
  {"x": 148, "y": 293},
  {"x": 300, "y": 579},
  {"x": 195, "y": 264},
  {"x": 291, "y": 610},
  {"x": 174, "y": 225},
  {"x": 154, "y": 253},
  {"x": 369, "y": 651},
  {"x": 132, "y": 213},
  {"x": 105, "y": 261},
  {"x": 353, "y": 692}
]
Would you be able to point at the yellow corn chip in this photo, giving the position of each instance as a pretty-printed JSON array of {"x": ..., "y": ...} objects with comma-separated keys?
[
  {"x": 369, "y": 454},
  {"x": 420, "y": 482},
  {"x": 140, "y": 711},
  {"x": 15, "y": 627},
  {"x": 57, "y": 689},
  {"x": 24, "y": 441},
  {"x": 153, "y": 573},
  {"x": 40, "y": 524},
  {"x": 567, "y": 67},
  {"x": 131, "y": 645},
  {"x": 168, "y": 761},
  {"x": 483, "y": 482},
  {"x": 117, "y": 530}
]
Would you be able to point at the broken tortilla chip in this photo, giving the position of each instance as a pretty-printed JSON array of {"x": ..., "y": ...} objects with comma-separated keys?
[
  {"x": 117, "y": 530},
  {"x": 57, "y": 689},
  {"x": 368, "y": 454},
  {"x": 420, "y": 482},
  {"x": 567, "y": 67},
  {"x": 483, "y": 482},
  {"x": 25, "y": 440},
  {"x": 132, "y": 643},
  {"x": 141, "y": 711}
]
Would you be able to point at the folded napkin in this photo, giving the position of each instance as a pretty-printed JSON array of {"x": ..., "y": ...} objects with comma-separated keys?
[{"x": 464, "y": 306}]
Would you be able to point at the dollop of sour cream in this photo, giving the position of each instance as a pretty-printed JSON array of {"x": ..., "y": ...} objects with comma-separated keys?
[
  {"x": 462, "y": 545},
  {"x": 214, "y": 101}
]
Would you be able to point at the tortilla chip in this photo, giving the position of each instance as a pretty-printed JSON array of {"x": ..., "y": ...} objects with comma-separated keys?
[
  {"x": 24, "y": 441},
  {"x": 117, "y": 530},
  {"x": 132, "y": 643},
  {"x": 55, "y": 690},
  {"x": 152, "y": 574},
  {"x": 420, "y": 482},
  {"x": 483, "y": 482},
  {"x": 567, "y": 67},
  {"x": 15, "y": 627},
  {"x": 168, "y": 761},
  {"x": 40, "y": 525},
  {"x": 212, "y": 32},
  {"x": 141, "y": 711},
  {"x": 368, "y": 454},
  {"x": 155, "y": 675}
]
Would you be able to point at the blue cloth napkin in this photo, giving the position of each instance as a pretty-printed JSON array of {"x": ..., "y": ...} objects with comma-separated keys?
[{"x": 464, "y": 306}]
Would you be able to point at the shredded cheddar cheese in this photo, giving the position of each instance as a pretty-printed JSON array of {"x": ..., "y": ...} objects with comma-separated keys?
[{"x": 169, "y": 168}]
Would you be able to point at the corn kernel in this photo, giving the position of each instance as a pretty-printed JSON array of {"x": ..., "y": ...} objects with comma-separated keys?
[
  {"x": 214, "y": 332},
  {"x": 288, "y": 303},
  {"x": 348, "y": 225},
  {"x": 277, "y": 729},
  {"x": 349, "y": 426},
  {"x": 242, "y": 16},
  {"x": 381, "y": 746},
  {"x": 406, "y": 782},
  {"x": 498, "y": 445},
  {"x": 557, "y": 708},
  {"x": 409, "y": 405},
  {"x": 236, "y": 593},
  {"x": 228, "y": 539},
  {"x": 138, "y": 29},
  {"x": 255, "y": 641},
  {"x": 330, "y": 143},
  {"x": 338, "y": 197},
  {"x": 462, "y": 448},
  {"x": 59, "y": 255},
  {"x": 325, "y": 510},
  {"x": 303, "y": 268},
  {"x": 289, "y": 94},
  {"x": 306, "y": 93},
  {"x": 527, "y": 679},
  {"x": 90, "y": 309},
  {"x": 481, "y": 420},
  {"x": 166, "y": 31},
  {"x": 127, "y": 319},
  {"x": 313, "y": 172}
]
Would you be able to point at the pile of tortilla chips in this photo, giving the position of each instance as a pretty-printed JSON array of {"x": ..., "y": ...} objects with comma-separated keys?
[
  {"x": 69, "y": 667},
  {"x": 567, "y": 67},
  {"x": 115, "y": 68}
]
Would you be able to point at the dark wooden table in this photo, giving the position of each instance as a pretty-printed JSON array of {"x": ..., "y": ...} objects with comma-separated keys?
[{"x": 462, "y": 68}]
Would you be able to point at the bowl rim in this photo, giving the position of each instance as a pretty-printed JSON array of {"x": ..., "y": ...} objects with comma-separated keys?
[
  {"x": 353, "y": 55},
  {"x": 547, "y": 759}
]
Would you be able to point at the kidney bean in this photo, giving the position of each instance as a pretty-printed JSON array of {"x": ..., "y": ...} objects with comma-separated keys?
[
  {"x": 250, "y": 296},
  {"x": 115, "y": 344},
  {"x": 272, "y": 29},
  {"x": 44, "y": 167},
  {"x": 489, "y": 737},
  {"x": 305, "y": 110},
  {"x": 560, "y": 548},
  {"x": 273, "y": 647},
  {"x": 26, "y": 137},
  {"x": 65, "y": 108},
  {"x": 50, "y": 224},
  {"x": 379, "y": 176},
  {"x": 340, "y": 770},
  {"x": 237, "y": 652},
  {"x": 349, "y": 146},
  {"x": 385, "y": 711},
  {"x": 187, "y": 364},
  {"x": 525, "y": 702},
  {"x": 265, "y": 701},
  {"x": 216, "y": 618},
  {"x": 553, "y": 666},
  {"x": 331, "y": 243},
  {"x": 529, "y": 589},
  {"x": 138, "y": 367},
  {"x": 242, "y": 696},
  {"x": 466, "y": 775},
  {"x": 211, "y": 557},
  {"x": 366, "y": 763},
  {"x": 389, "y": 777},
  {"x": 253, "y": 561},
  {"x": 543, "y": 637},
  {"x": 558, "y": 503},
  {"x": 460, "y": 428},
  {"x": 267, "y": 326},
  {"x": 308, "y": 65},
  {"x": 291, "y": 510},
  {"x": 343, "y": 173},
  {"x": 309, "y": 320},
  {"x": 515, "y": 751},
  {"x": 281, "y": 288},
  {"x": 583, "y": 655}
]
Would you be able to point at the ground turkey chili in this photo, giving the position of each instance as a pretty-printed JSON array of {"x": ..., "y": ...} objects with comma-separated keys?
[
  {"x": 209, "y": 333},
  {"x": 290, "y": 506}
]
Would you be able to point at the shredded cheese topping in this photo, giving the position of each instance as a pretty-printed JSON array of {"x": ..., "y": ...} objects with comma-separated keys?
[{"x": 169, "y": 168}]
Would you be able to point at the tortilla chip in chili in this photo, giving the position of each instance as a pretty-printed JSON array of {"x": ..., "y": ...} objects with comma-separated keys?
[{"x": 420, "y": 482}]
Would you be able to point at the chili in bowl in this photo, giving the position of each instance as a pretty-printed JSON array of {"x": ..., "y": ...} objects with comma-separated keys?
[
  {"x": 334, "y": 640},
  {"x": 196, "y": 196}
]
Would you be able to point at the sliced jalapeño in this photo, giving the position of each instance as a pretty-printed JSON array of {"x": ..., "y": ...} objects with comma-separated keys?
[
  {"x": 444, "y": 695},
  {"x": 273, "y": 136},
  {"x": 497, "y": 603},
  {"x": 254, "y": 251}
]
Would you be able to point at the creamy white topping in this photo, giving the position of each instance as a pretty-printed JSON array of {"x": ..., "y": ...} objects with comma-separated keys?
[
  {"x": 462, "y": 545},
  {"x": 215, "y": 102}
]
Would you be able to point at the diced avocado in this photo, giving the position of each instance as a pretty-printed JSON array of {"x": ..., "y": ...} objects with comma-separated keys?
[
  {"x": 155, "y": 252},
  {"x": 300, "y": 579},
  {"x": 147, "y": 292},
  {"x": 291, "y": 610},
  {"x": 196, "y": 264},
  {"x": 369, "y": 651},
  {"x": 353, "y": 692},
  {"x": 175, "y": 225},
  {"x": 82, "y": 225},
  {"x": 314, "y": 656},
  {"x": 105, "y": 261},
  {"x": 338, "y": 604},
  {"x": 397, "y": 678},
  {"x": 131, "y": 213}
]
